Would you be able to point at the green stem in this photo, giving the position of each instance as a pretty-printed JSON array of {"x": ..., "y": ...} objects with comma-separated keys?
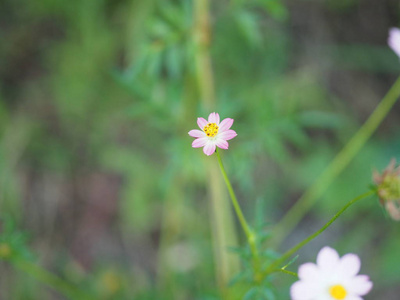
[
  {"x": 223, "y": 230},
  {"x": 339, "y": 163},
  {"x": 50, "y": 279},
  {"x": 291, "y": 251},
  {"x": 287, "y": 272},
  {"x": 251, "y": 238}
]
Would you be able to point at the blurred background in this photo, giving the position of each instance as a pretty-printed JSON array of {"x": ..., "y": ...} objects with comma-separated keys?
[{"x": 98, "y": 180}]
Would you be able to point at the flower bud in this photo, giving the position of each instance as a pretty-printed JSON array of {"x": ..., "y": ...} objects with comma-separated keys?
[{"x": 388, "y": 189}]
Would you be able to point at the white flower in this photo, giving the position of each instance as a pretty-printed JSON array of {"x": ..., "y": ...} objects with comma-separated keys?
[
  {"x": 394, "y": 40},
  {"x": 332, "y": 278}
]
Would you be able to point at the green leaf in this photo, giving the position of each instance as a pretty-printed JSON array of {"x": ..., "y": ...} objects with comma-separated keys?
[
  {"x": 251, "y": 294},
  {"x": 173, "y": 61},
  {"x": 248, "y": 26},
  {"x": 290, "y": 262},
  {"x": 275, "y": 8}
]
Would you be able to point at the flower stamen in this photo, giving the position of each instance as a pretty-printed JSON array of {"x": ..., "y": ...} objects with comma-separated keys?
[
  {"x": 338, "y": 292},
  {"x": 211, "y": 129}
]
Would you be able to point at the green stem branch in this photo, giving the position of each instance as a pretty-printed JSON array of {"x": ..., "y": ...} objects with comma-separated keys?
[
  {"x": 339, "y": 163},
  {"x": 290, "y": 252},
  {"x": 288, "y": 272},
  {"x": 251, "y": 238}
]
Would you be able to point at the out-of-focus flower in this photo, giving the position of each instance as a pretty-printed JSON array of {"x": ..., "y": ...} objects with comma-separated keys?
[
  {"x": 394, "y": 40},
  {"x": 5, "y": 250},
  {"x": 212, "y": 134},
  {"x": 111, "y": 282},
  {"x": 332, "y": 278},
  {"x": 388, "y": 189},
  {"x": 182, "y": 257}
]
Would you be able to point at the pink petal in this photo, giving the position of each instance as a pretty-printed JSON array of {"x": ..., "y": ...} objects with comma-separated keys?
[
  {"x": 201, "y": 122},
  {"x": 213, "y": 118},
  {"x": 225, "y": 124},
  {"x": 209, "y": 148},
  {"x": 309, "y": 272},
  {"x": 327, "y": 259},
  {"x": 393, "y": 209},
  {"x": 227, "y": 135},
  {"x": 197, "y": 133},
  {"x": 360, "y": 285},
  {"x": 349, "y": 265},
  {"x": 200, "y": 142},
  {"x": 394, "y": 40},
  {"x": 222, "y": 144}
]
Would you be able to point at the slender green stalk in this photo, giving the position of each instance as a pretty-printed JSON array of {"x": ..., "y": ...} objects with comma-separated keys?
[
  {"x": 342, "y": 159},
  {"x": 50, "y": 279},
  {"x": 223, "y": 231},
  {"x": 287, "y": 272},
  {"x": 251, "y": 238},
  {"x": 273, "y": 267}
]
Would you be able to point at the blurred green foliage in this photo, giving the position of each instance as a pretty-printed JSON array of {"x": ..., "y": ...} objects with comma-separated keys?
[{"x": 97, "y": 97}]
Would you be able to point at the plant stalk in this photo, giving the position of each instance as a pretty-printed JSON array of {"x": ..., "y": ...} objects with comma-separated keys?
[
  {"x": 223, "y": 231},
  {"x": 339, "y": 163},
  {"x": 275, "y": 265},
  {"x": 251, "y": 237}
]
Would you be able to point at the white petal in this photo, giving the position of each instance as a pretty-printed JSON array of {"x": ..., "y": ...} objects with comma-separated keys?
[
  {"x": 301, "y": 290},
  {"x": 309, "y": 272},
  {"x": 349, "y": 265},
  {"x": 394, "y": 40},
  {"x": 353, "y": 297},
  {"x": 327, "y": 259},
  {"x": 360, "y": 285}
]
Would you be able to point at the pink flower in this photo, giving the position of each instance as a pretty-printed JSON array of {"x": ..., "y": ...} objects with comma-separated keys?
[
  {"x": 331, "y": 278},
  {"x": 394, "y": 40},
  {"x": 212, "y": 133}
]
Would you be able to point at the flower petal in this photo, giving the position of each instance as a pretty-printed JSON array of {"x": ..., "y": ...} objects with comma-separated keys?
[
  {"x": 301, "y": 290},
  {"x": 327, "y": 259},
  {"x": 353, "y": 297},
  {"x": 222, "y": 144},
  {"x": 349, "y": 265},
  {"x": 225, "y": 124},
  {"x": 309, "y": 272},
  {"x": 209, "y": 148},
  {"x": 200, "y": 142},
  {"x": 393, "y": 210},
  {"x": 213, "y": 118},
  {"x": 394, "y": 40},
  {"x": 201, "y": 122},
  {"x": 227, "y": 135},
  {"x": 197, "y": 133},
  {"x": 360, "y": 285}
]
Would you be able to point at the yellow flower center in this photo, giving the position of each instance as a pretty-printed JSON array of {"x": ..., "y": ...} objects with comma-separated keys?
[
  {"x": 338, "y": 292},
  {"x": 211, "y": 129}
]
